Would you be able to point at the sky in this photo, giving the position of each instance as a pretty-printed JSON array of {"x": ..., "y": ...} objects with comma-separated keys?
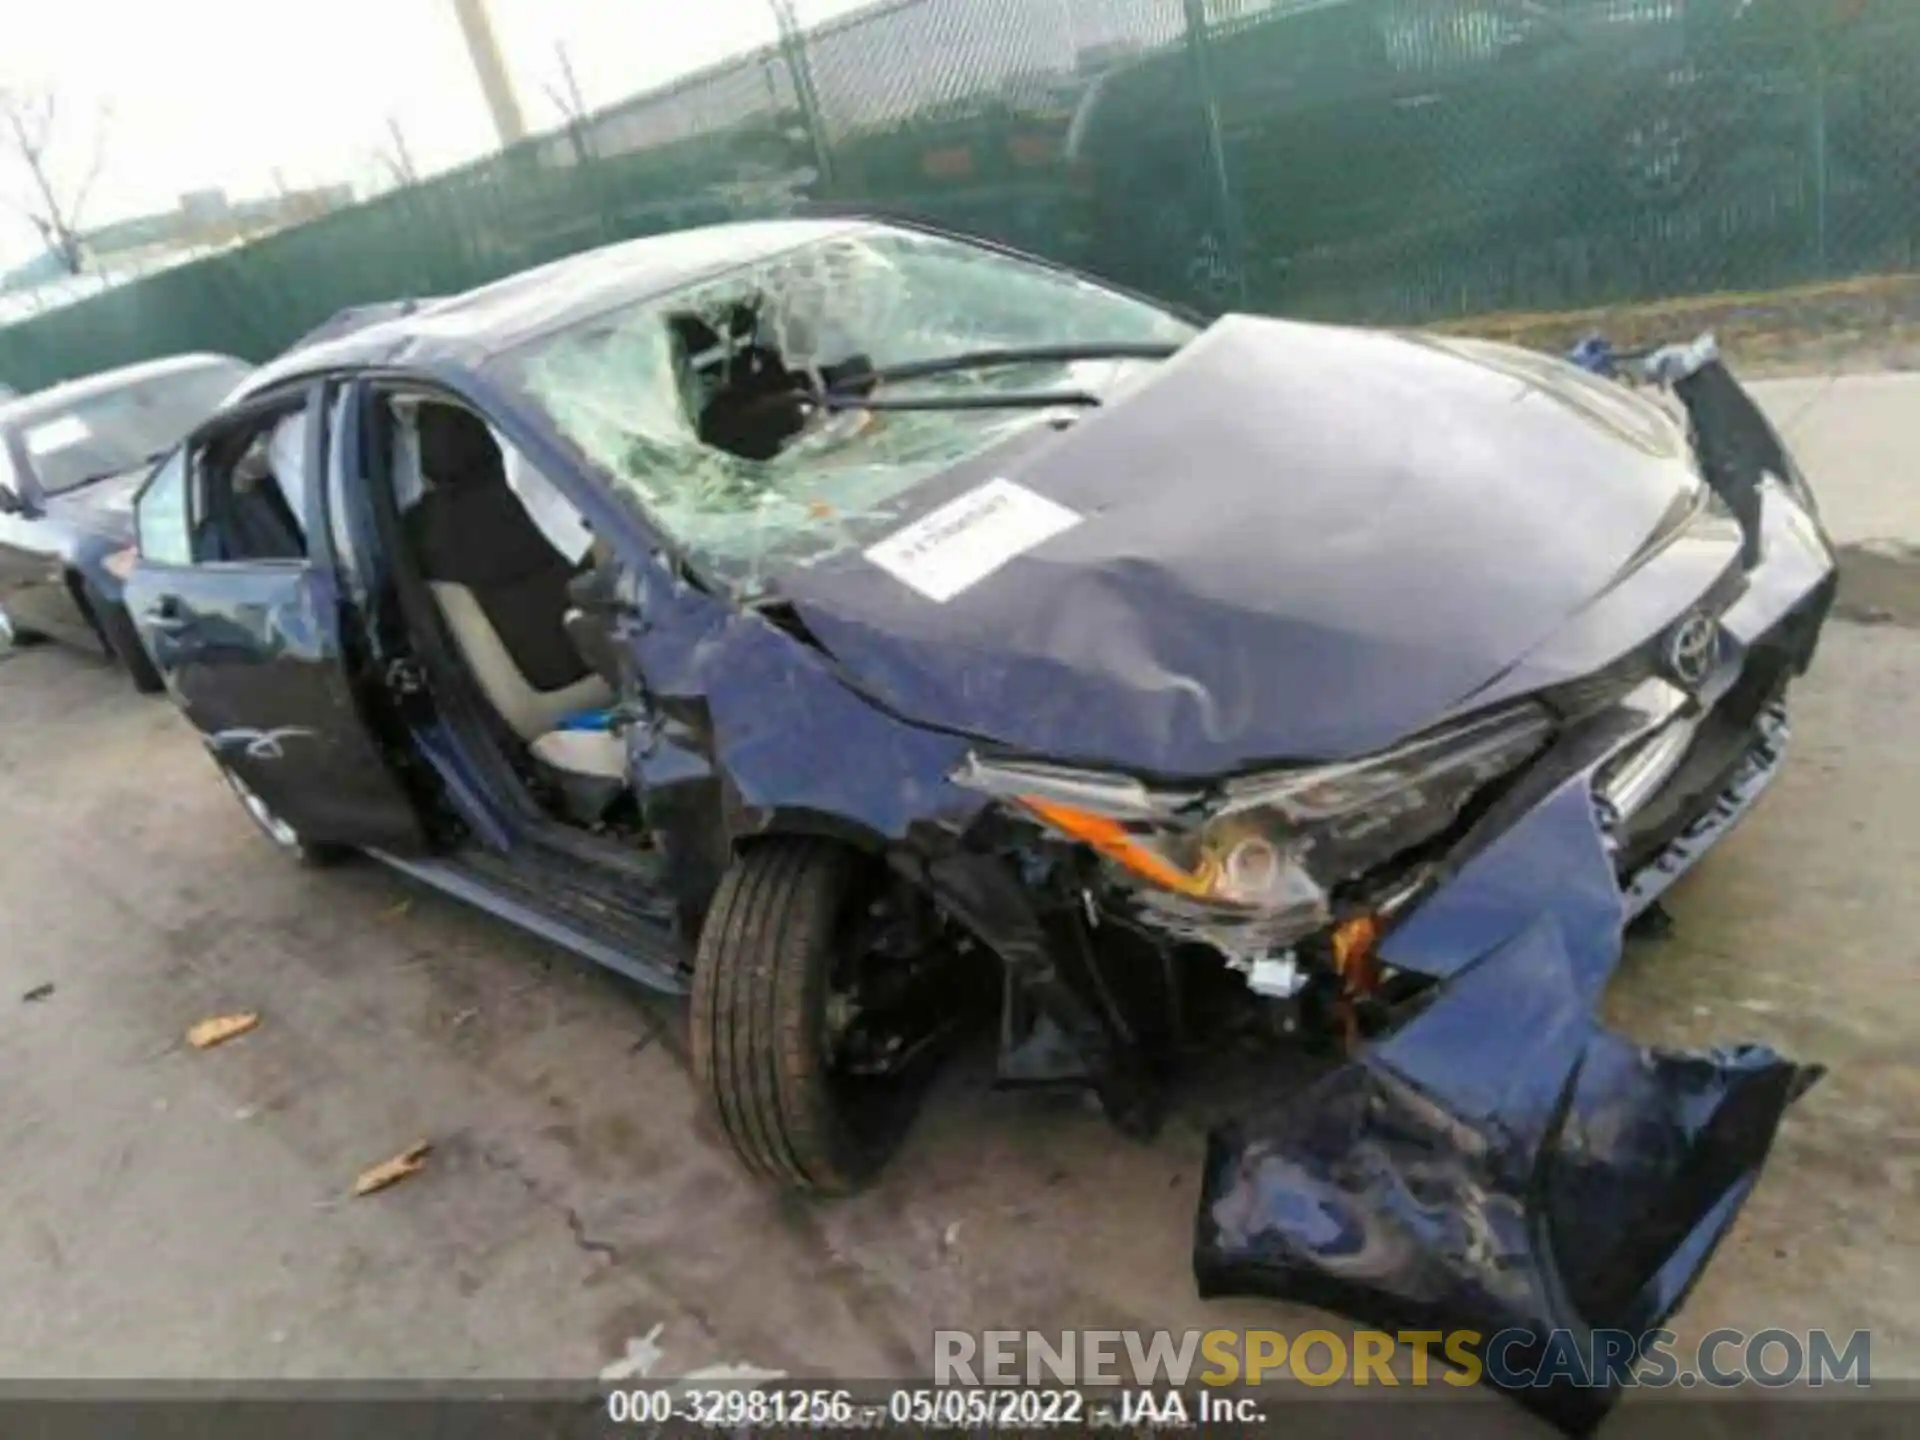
[{"x": 251, "y": 95}]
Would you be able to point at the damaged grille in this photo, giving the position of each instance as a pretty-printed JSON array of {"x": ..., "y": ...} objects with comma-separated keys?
[
  {"x": 1754, "y": 770},
  {"x": 1695, "y": 757},
  {"x": 1667, "y": 800}
]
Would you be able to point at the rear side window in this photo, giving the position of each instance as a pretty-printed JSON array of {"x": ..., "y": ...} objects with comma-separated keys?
[{"x": 161, "y": 516}]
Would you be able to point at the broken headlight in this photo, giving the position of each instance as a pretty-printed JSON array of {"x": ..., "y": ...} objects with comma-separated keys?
[{"x": 1274, "y": 845}]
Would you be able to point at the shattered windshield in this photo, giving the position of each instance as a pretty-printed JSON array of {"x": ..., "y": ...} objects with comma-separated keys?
[{"x": 705, "y": 406}]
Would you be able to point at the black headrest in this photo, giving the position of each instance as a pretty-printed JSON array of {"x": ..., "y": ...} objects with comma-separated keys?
[{"x": 456, "y": 448}]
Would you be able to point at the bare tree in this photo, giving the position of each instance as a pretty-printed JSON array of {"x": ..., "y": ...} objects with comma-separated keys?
[
  {"x": 566, "y": 99},
  {"x": 31, "y": 130},
  {"x": 396, "y": 157}
]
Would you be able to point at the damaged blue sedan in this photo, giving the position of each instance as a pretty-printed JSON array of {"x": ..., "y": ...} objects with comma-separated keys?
[{"x": 869, "y": 631}]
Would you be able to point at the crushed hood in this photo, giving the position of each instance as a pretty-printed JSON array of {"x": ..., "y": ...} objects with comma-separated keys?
[{"x": 1292, "y": 542}]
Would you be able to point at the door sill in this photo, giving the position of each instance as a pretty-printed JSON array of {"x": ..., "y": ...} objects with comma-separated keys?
[{"x": 593, "y": 922}]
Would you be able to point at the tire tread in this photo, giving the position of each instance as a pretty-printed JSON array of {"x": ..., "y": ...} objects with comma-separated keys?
[{"x": 761, "y": 980}]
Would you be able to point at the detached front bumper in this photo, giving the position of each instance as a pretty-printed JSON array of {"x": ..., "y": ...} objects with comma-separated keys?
[{"x": 1502, "y": 1163}]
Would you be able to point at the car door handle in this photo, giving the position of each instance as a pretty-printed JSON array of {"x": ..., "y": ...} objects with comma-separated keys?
[{"x": 166, "y": 615}]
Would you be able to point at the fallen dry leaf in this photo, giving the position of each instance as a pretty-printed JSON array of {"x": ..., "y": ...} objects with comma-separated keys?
[
  {"x": 389, "y": 1172},
  {"x": 220, "y": 1029}
]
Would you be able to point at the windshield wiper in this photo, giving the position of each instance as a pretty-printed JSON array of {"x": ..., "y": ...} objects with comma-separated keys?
[
  {"x": 1029, "y": 355},
  {"x": 127, "y": 469},
  {"x": 1036, "y": 400},
  {"x": 846, "y": 397}
]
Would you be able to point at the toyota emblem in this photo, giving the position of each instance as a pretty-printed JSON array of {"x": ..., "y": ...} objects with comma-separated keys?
[{"x": 1693, "y": 650}]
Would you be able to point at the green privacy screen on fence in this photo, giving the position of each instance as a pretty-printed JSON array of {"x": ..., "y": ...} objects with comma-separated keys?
[{"x": 1383, "y": 160}]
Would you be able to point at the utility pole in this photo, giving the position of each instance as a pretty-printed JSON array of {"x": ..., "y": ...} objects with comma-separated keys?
[{"x": 491, "y": 71}]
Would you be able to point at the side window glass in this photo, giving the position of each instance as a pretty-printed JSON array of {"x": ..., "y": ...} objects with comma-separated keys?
[
  {"x": 287, "y": 464},
  {"x": 160, "y": 516},
  {"x": 257, "y": 486}
]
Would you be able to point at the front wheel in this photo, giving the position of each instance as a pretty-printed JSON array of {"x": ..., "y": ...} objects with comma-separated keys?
[
  {"x": 281, "y": 832},
  {"x": 777, "y": 1007}
]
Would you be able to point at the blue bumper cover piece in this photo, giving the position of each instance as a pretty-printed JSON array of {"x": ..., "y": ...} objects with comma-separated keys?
[{"x": 1502, "y": 1162}]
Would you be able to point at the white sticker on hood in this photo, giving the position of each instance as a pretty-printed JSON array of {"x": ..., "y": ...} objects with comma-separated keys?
[
  {"x": 61, "y": 433},
  {"x": 966, "y": 540}
]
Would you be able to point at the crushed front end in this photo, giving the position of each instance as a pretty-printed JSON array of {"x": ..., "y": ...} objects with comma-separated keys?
[
  {"x": 1488, "y": 1158},
  {"x": 1501, "y": 1162}
]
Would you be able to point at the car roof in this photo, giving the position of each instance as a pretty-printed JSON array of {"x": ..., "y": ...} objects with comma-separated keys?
[
  {"x": 24, "y": 409},
  {"x": 468, "y": 328},
  {"x": 357, "y": 317}
]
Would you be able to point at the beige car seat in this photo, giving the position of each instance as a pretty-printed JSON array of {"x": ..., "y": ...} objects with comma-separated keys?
[{"x": 499, "y": 583}]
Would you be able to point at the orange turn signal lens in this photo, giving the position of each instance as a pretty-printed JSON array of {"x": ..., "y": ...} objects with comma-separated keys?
[
  {"x": 1110, "y": 838},
  {"x": 1354, "y": 941}
]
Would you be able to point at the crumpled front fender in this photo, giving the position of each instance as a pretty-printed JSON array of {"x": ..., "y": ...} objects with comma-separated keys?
[{"x": 1502, "y": 1162}]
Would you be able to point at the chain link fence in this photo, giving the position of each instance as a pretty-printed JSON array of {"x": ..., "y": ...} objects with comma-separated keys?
[{"x": 1392, "y": 161}]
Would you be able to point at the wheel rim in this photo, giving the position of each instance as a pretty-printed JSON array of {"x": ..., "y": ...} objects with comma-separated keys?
[
  {"x": 875, "y": 1107},
  {"x": 277, "y": 830}
]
